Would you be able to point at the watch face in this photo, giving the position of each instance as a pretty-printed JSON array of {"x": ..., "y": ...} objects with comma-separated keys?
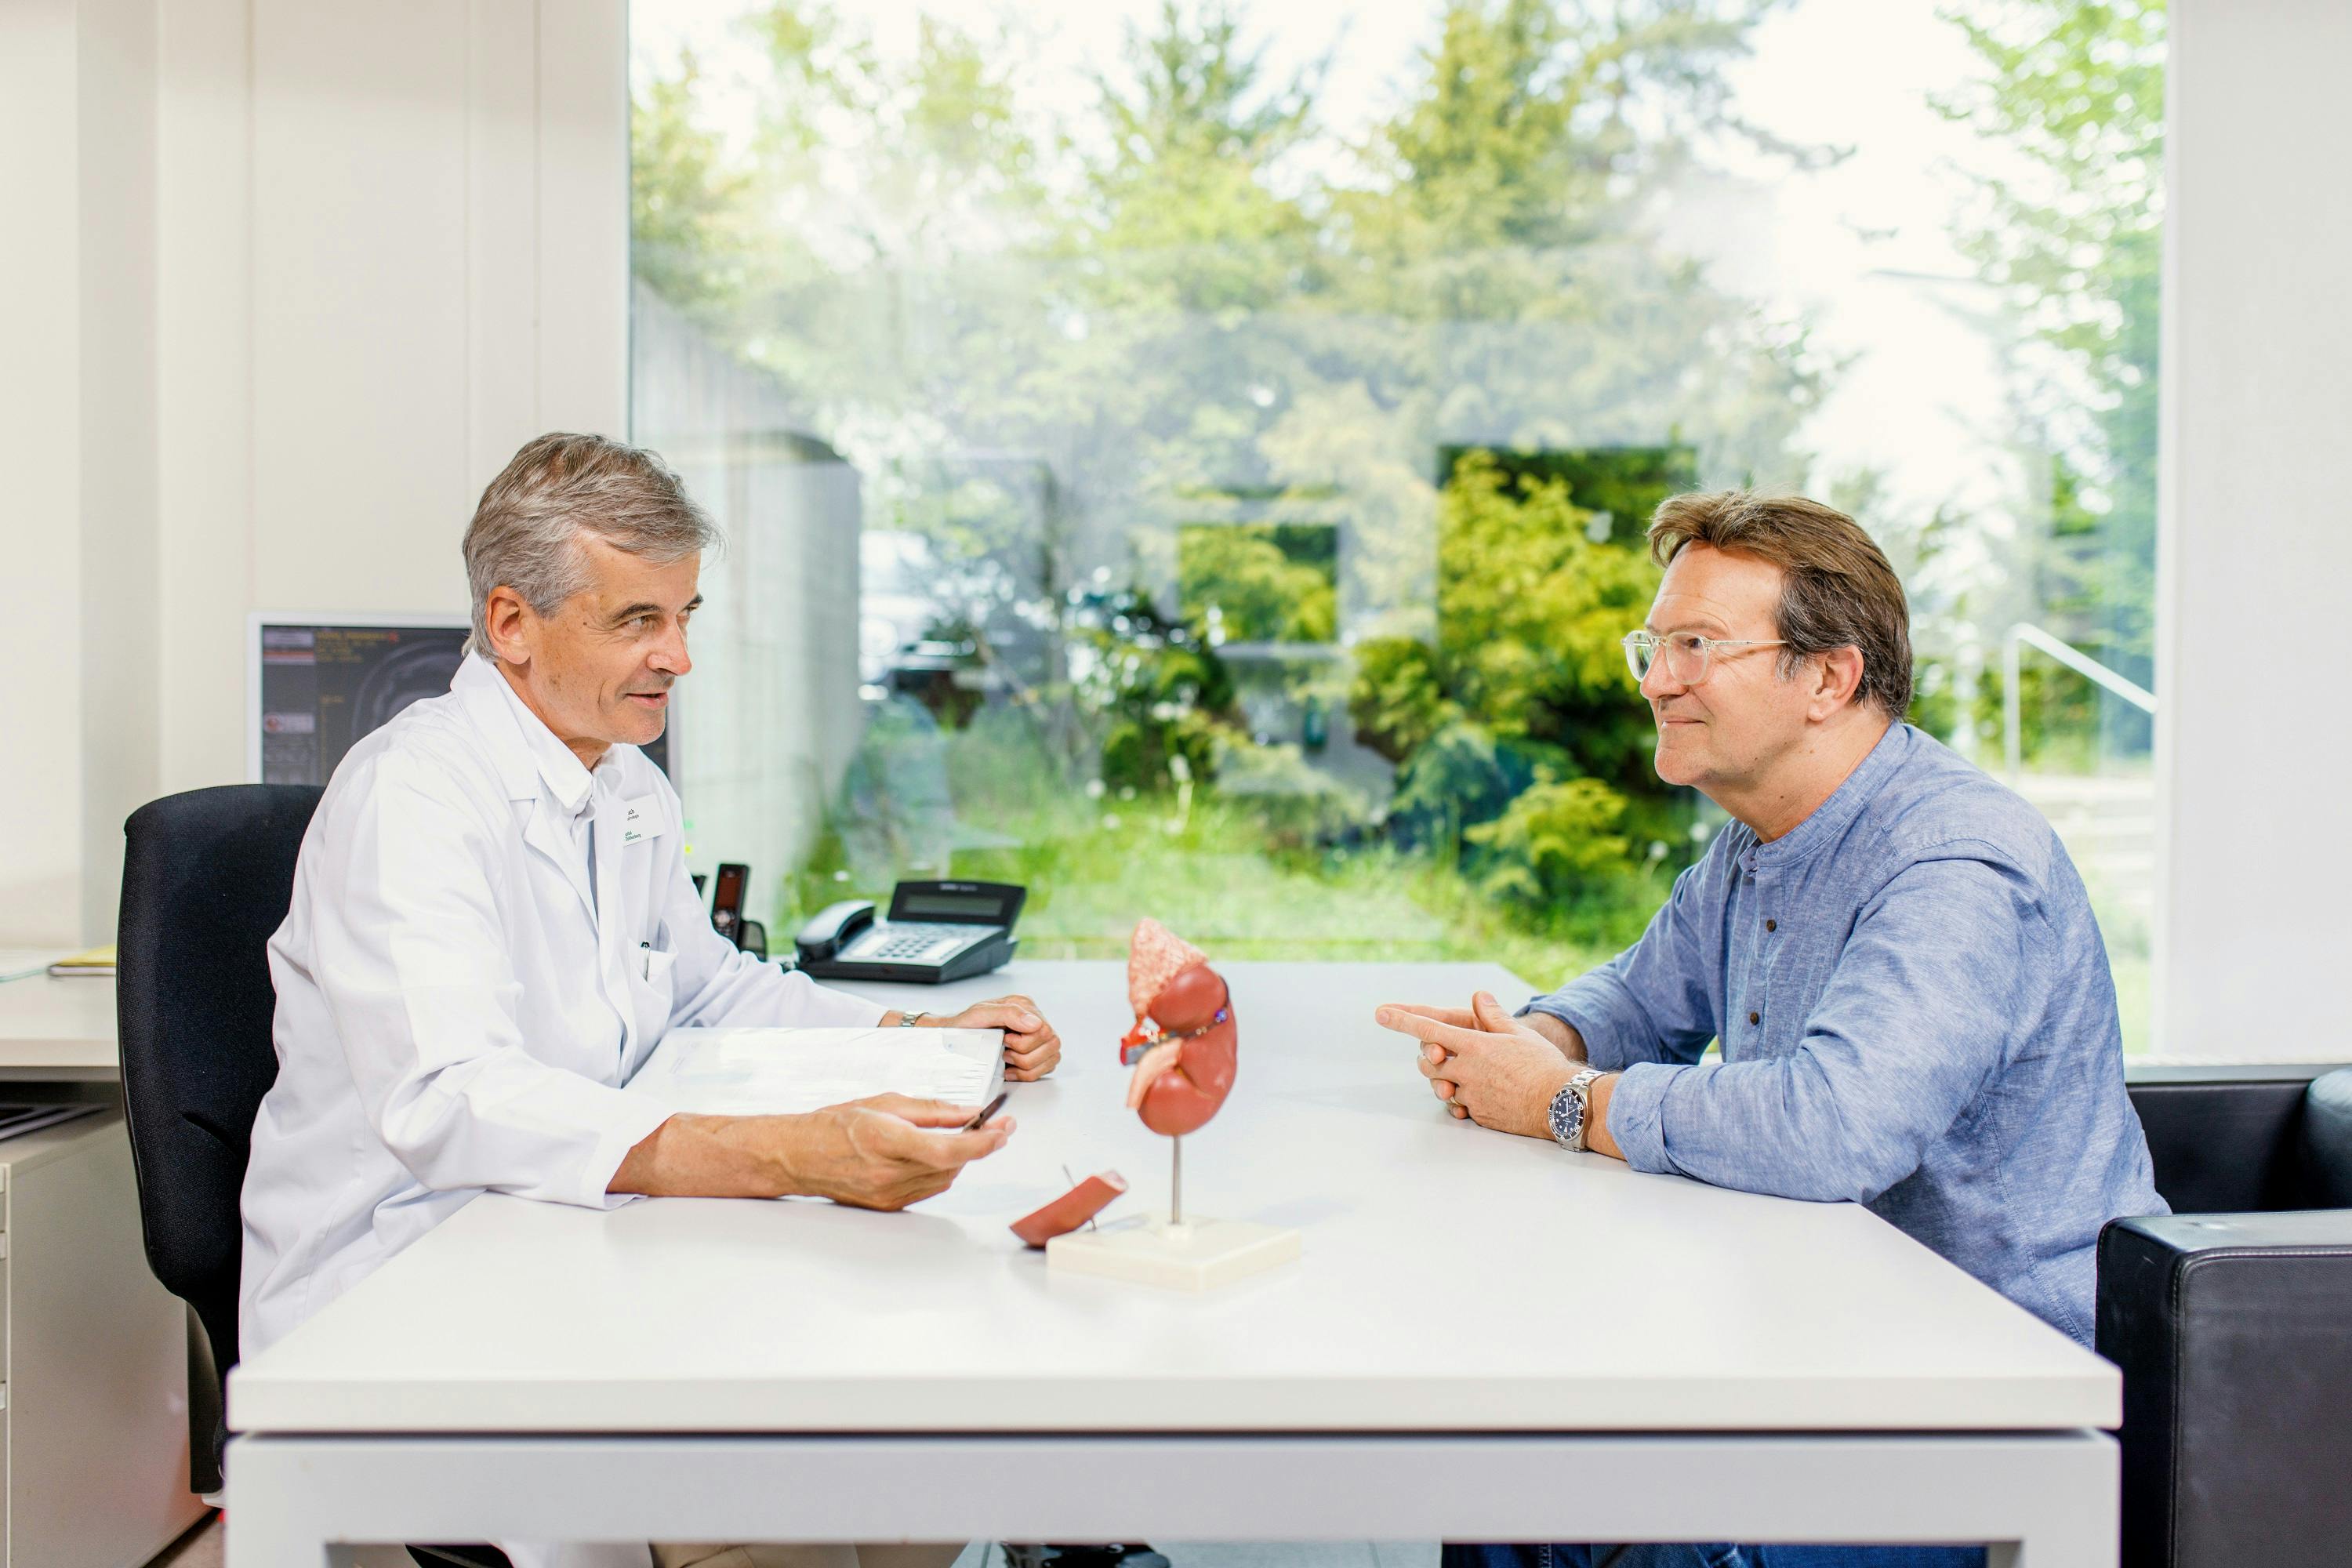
[{"x": 1568, "y": 1119}]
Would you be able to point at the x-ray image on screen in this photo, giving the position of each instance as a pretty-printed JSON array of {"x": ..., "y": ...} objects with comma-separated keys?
[{"x": 324, "y": 687}]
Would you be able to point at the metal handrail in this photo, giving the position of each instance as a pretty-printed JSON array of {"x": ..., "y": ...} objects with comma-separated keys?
[{"x": 2074, "y": 658}]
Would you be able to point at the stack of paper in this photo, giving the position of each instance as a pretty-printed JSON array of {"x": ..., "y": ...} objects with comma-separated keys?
[
  {"x": 744, "y": 1072},
  {"x": 98, "y": 962}
]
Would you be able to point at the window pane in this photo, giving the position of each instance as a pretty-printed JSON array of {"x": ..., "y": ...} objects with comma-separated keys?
[{"x": 1194, "y": 461}]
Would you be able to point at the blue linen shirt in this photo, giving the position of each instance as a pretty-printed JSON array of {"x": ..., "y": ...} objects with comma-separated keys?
[{"x": 1915, "y": 1014}]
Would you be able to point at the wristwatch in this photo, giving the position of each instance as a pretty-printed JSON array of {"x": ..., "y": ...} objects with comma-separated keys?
[
  {"x": 909, "y": 1019},
  {"x": 1568, "y": 1109}
]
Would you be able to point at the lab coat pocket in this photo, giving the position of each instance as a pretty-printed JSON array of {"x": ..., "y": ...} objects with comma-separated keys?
[{"x": 653, "y": 983}]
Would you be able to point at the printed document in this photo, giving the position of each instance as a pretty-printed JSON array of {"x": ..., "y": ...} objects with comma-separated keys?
[{"x": 783, "y": 1072}]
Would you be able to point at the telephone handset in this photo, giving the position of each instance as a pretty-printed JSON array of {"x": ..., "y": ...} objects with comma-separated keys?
[
  {"x": 830, "y": 927},
  {"x": 936, "y": 932}
]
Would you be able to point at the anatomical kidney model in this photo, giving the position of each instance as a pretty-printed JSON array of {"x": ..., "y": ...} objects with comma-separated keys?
[{"x": 1185, "y": 1050}]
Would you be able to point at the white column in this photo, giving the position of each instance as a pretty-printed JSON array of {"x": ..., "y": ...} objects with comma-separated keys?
[
  {"x": 40, "y": 445},
  {"x": 78, "y": 444},
  {"x": 2254, "y": 745}
]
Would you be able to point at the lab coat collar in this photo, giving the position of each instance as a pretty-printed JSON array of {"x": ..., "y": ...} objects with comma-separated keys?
[
  {"x": 527, "y": 750},
  {"x": 533, "y": 766}
]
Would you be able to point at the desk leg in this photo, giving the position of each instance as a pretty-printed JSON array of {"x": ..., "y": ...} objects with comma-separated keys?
[{"x": 2042, "y": 1500}]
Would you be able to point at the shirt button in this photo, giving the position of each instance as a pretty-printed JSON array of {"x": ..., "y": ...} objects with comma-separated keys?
[
  {"x": 1754, "y": 1018},
  {"x": 1771, "y": 925}
]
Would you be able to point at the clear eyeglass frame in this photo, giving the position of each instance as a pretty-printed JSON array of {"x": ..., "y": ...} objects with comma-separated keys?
[{"x": 1688, "y": 654}]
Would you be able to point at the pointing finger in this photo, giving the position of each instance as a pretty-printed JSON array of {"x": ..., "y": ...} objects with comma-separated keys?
[
  {"x": 1430, "y": 1031},
  {"x": 1460, "y": 1017}
]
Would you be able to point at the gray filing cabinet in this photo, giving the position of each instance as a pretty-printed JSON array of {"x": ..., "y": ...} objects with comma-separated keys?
[{"x": 93, "y": 1406}]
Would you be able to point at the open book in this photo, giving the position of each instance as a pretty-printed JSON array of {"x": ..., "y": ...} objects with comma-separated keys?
[{"x": 746, "y": 1072}]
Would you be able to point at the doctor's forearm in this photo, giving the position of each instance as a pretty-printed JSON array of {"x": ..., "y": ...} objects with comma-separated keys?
[{"x": 713, "y": 1157}]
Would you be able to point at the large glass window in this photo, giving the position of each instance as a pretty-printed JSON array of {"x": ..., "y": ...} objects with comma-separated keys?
[{"x": 1191, "y": 459}]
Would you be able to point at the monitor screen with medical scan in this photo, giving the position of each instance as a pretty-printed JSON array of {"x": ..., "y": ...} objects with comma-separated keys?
[{"x": 317, "y": 686}]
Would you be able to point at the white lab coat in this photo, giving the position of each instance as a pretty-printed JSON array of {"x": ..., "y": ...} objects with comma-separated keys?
[{"x": 459, "y": 1003}]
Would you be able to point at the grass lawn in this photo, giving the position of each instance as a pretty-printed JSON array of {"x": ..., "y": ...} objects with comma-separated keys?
[{"x": 1094, "y": 866}]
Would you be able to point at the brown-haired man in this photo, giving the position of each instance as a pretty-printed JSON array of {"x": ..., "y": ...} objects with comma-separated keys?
[{"x": 1914, "y": 1003}]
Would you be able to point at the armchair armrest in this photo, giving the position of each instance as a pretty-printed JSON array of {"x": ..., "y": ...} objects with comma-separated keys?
[{"x": 2234, "y": 1333}]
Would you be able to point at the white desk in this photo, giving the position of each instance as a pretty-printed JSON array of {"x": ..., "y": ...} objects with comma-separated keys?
[
  {"x": 1487, "y": 1339},
  {"x": 57, "y": 1031}
]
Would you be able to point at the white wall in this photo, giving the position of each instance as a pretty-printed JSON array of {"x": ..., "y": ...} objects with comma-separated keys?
[
  {"x": 289, "y": 283},
  {"x": 40, "y": 553},
  {"x": 2255, "y": 545}
]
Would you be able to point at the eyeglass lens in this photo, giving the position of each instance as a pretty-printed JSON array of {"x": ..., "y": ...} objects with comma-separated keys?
[{"x": 1684, "y": 653}]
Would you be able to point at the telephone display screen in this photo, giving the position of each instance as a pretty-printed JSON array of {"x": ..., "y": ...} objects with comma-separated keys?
[{"x": 947, "y": 906}]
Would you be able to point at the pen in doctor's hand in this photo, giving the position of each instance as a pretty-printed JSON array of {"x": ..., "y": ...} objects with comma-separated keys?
[{"x": 991, "y": 1109}]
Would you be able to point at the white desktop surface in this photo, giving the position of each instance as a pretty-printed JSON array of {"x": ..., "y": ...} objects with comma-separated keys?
[
  {"x": 1455, "y": 1279},
  {"x": 59, "y": 1030}
]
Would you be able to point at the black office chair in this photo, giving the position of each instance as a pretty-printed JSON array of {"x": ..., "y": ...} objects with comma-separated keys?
[
  {"x": 2231, "y": 1319},
  {"x": 207, "y": 878}
]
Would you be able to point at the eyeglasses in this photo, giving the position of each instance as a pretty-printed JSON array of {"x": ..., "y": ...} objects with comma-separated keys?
[{"x": 1688, "y": 654}]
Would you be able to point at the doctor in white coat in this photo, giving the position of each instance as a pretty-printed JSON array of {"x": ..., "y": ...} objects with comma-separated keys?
[{"x": 492, "y": 926}]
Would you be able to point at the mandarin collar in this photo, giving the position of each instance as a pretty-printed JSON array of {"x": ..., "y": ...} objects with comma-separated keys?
[{"x": 1830, "y": 818}]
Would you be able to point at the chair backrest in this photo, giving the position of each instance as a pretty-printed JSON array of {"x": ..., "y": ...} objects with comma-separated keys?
[
  {"x": 2328, "y": 1139},
  {"x": 207, "y": 878},
  {"x": 2224, "y": 1146}
]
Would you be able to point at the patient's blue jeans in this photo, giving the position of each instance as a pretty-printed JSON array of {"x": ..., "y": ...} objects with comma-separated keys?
[{"x": 1456, "y": 1556}]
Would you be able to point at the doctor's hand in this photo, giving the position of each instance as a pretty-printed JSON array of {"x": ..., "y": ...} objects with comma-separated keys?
[
  {"x": 888, "y": 1152},
  {"x": 880, "y": 1153},
  {"x": 1032, "y": 1048},
  {"x": 1493, "y": 1070}
]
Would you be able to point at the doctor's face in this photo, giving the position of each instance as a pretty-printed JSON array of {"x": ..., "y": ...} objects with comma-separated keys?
[{"x": 599, "y": 669}]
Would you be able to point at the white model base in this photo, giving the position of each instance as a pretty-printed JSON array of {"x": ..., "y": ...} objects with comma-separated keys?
[{"x": 1198, "y": 1255}]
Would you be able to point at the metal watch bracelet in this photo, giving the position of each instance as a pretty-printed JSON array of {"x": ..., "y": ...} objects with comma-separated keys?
[{"x": 1568, "y": 1109}]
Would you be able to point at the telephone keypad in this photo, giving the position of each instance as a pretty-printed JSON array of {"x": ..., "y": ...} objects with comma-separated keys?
[{"x": 913, "y": 942}]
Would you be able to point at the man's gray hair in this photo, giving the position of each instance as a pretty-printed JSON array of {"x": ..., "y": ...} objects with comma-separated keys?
[{"x": 526, "y": 533}]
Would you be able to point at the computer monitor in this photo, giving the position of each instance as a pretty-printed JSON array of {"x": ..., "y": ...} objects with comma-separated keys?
[{"x": 317, "y": 684}]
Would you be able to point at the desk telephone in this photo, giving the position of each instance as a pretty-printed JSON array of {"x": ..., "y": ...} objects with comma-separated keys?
[{"x": 934, "y": 932}]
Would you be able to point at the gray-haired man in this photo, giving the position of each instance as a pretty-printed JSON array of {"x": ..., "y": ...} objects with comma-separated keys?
[{"x": 492, "y": 926}]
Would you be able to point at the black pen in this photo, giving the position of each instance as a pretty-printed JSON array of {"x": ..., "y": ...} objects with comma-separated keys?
[{"x": 991, "y": 1109}]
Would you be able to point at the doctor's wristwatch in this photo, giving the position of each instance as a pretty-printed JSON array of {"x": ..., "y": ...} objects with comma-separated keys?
[{"x": 1568, "y": 1108}]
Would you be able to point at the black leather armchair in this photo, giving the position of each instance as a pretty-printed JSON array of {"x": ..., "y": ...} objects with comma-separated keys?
[{"x": 2231, "y": 1319}]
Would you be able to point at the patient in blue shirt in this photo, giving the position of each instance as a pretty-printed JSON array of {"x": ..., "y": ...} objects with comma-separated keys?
[{"x": 1894, "y": 952}]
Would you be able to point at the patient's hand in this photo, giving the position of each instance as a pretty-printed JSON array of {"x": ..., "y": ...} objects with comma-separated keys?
[
  {"x": 1562, "y": 1035},
  {"x": 1493, "y": 1069}
]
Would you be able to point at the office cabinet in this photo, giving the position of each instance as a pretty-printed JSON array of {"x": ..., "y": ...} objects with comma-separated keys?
[{"x": 93, "y": 1384}]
